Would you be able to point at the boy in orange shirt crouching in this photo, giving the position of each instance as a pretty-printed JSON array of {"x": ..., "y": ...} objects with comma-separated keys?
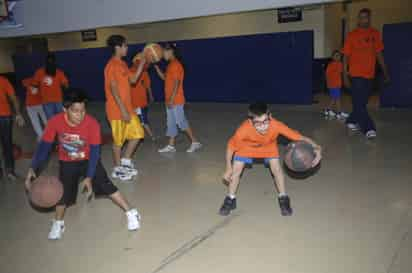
[{"x": 257, "y": 138}]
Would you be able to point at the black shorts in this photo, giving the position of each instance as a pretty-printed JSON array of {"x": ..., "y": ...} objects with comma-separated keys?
[{"x": 71, "y": 173}]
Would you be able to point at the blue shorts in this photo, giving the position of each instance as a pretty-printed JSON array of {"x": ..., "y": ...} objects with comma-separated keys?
[
  {"x": 176, "y": 119},
  {"x": 143, "y": 114},
  {"x": 335, "y": 93},
  {"x": 249, "y": 161}
]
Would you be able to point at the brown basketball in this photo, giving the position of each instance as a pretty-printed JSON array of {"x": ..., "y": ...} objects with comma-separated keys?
[
  {"x": 299, "y": 156},
  {"x": 153, "y": 53},
  {"x": 46, "y": 191}
]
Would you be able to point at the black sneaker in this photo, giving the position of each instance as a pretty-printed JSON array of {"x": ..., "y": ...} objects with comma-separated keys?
[
  {"x": 228, "y": 205},
  {"x": 284, "y": 204}
]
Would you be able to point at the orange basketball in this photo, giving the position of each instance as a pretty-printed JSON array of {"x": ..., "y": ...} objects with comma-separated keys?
[
  {"x": 153, "y": 53},
  {"x": 46, "y": 191}
]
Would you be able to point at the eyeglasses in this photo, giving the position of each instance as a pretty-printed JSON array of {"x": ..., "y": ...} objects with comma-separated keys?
[{"x": 260, "y": 123}]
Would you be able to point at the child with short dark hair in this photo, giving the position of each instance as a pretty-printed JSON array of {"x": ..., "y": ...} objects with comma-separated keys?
[
  {"x": 79, "y": 139},
  {"x": 257, "y": 138},
  {"x": 334, "y": 72}
]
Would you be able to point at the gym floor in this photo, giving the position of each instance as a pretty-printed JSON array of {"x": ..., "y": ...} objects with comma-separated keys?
[{"x": 354, "y": 215}]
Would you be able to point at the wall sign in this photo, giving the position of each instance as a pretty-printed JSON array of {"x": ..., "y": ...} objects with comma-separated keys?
[
  {"x": 89, "y": 35},
  {"x": 286, "y": 15}
]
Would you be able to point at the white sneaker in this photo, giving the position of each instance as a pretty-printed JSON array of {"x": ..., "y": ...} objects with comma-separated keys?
[
  {"x": 120, "y": 173},
  {"x": 371, "y": 134},
  {"x": 352, "y": 126},
  {"x": 344, "y": 114},
  {"x": 133, "y": 220},
  {"x": 332, "y": 114},
  {"x": 57, "y": 230},
  {"x": 130, "y": 169},
  {"x": 167, "y": 149},
  {"x": 325, "y": 112},
  {"x": 194, "y": 147}
]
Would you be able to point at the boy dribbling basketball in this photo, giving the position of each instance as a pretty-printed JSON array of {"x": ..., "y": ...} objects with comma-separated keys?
[
  {"x": 79, "y": 140},
  {"x": 257, "y": 138}
]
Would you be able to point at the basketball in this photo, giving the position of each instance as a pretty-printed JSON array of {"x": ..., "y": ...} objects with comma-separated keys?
[
  {"x": 153, "y": 53},
  {"x": 46, "y": 191},
  {"x": 17, "y": 152},
  {"x": 299, "y": 156}
]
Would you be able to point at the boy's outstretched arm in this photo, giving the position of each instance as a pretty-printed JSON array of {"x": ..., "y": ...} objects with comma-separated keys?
[{"x": 41, "y": 155}]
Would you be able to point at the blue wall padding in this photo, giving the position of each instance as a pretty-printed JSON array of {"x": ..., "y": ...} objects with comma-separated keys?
[
  {"x": 276, "y": 68},
  {"x": 398, "y": 56}
]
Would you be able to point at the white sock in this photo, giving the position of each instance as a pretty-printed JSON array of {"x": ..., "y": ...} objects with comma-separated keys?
[
  {"x": 125, "y": 162},
  {"x": 231, "y": 196},
  {"x": 60, "y": 222}
]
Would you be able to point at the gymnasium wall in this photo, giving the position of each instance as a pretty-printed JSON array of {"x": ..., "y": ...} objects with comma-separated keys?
[
  {"x": 7, "y": 49},
  {"x": 383, "y": 12},
  {"x": 247, "y": 23},
  {"x": 217, "y": 69}
]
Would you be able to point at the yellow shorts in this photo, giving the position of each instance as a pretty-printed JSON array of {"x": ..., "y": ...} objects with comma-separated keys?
[{"x": 123, "y": 131}]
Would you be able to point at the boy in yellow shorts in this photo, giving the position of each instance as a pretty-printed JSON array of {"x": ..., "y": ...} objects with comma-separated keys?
[{"x": 124, "y": 122}]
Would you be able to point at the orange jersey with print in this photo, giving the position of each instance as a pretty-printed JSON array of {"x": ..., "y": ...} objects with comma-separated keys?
[
  {"x": 334, "y": 74},
  {"x": 139, "y": 90},
  {"x": 248, "y": 142},
  {"x": 6, "y": 90},
  {"x": 33, "y": 96},
  {"x": 361, "y": 47},
  {"x": 174, "y": 72},
  {"x": 50, "y": 86},
  {"x": 118, "y": 71}
]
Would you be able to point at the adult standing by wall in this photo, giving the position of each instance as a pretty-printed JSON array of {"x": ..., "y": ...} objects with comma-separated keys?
[
  {"x": 363, "y": 48},
  {"x": 7, "y": 95},
  {"x": 51, "y": 81}
]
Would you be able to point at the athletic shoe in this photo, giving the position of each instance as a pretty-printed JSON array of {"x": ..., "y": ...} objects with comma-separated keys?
[
  {"x": 284, "y": 204},
  {"x": 325, "y": 112},
  {"x": 344, "y": 114},
  {"x": 133, "y": 220},
  {"x": 371, "y": 134},
  {"x": 167, "y": 149},
  {"x": 229, "y": 204},
  {"x": 353, "y": 126},
  {"x": 130, "y": 169},
  {"x": 120, "y": 173},
  {"x": 332, "y": 114},
  {"x": 194, "y": 147},
  {"x": 57, "y": 230},
  {"x": 12, "y": 176}
]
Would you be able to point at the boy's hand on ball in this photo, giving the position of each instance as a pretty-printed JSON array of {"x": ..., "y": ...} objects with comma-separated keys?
[{"x": 318, "y": 156}]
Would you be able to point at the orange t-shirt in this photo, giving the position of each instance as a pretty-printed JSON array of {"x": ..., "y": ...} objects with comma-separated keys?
[
  {"x": 50, "y": 87},
  {"x": 361, "y": 47},
  {"x": 174, "y": 72},
  {"x": 248, "y": 142},
  {"x": 6, "y": 90},
  {"x": 117, "y": 70},
  {"x": 33, "y": 96},
  {"x": 334, "y": 74},
  {"x": 139, "y": 90}
]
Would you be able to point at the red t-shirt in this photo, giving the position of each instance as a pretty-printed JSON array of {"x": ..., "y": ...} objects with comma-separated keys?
[
  {"x": 334, "y": 74},
  {"x": 74, "y": 141}
]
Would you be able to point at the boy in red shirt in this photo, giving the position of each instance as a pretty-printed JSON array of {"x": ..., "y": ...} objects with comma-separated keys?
[
  {"x": 334, "y": 82},
  {"x": 79, "y": 139},
  {"x": 257, "y": 138},
  {"x": 34, "y": 107}
]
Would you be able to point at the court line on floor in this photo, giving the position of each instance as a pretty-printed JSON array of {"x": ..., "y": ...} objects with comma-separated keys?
[
  {"x": 190, "y": 245},
  {"x": 405, "y": 236}
]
